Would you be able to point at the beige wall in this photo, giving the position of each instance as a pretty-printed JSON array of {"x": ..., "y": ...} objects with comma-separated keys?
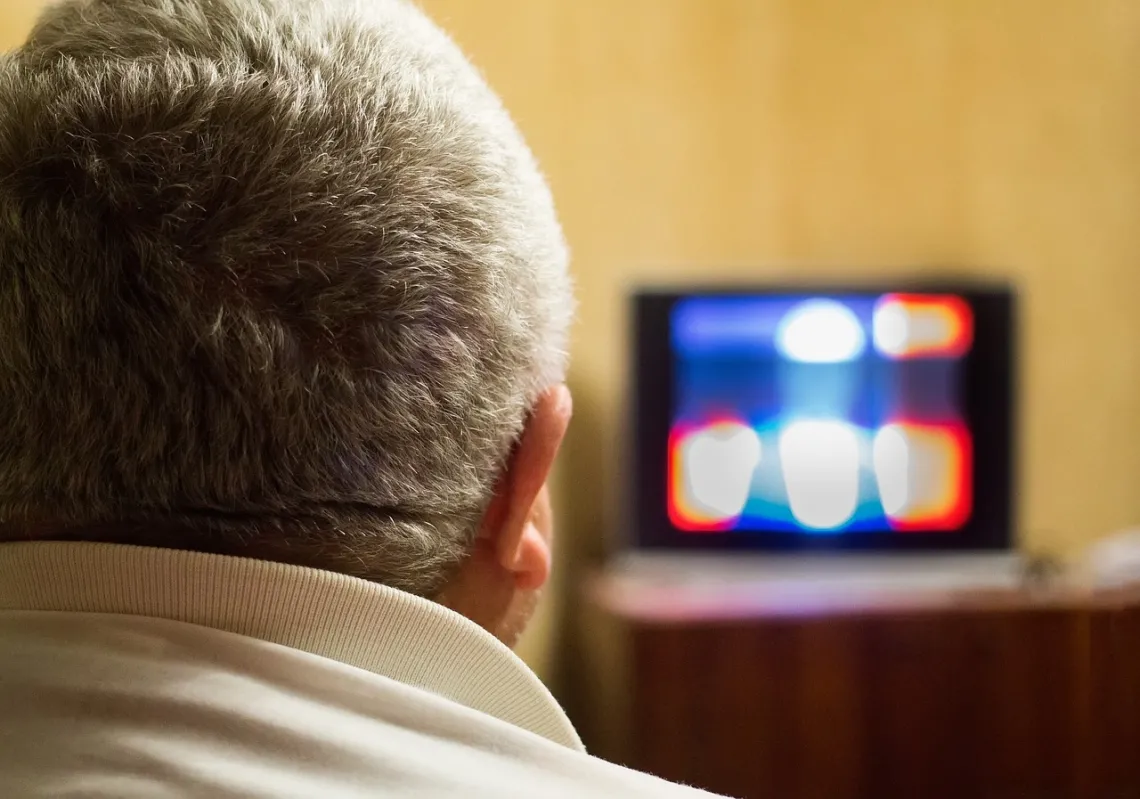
[
  {"x": 740, "y": 139},
  {"x": 16, "y": 17},
  {"x": 747, "y": 138}
]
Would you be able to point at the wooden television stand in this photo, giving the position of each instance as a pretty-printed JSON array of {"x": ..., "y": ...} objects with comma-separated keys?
[{"x": 1009, "y": 694}]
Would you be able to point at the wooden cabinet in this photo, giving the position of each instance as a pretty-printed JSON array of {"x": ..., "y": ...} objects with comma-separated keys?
[{"x": 1005, "y": 695}]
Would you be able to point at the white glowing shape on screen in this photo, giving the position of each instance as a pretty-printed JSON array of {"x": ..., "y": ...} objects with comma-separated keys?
[
  {"x": 898, "y": 330},
  {"x": 820, "y": 461},
  {"x": 890, "y": 328},
  {"x": 918, "y": 470},
  {"x": 891, "y": 457},
  {"x": 820, "y": 331},
  {"x": 718, "y": 464}
]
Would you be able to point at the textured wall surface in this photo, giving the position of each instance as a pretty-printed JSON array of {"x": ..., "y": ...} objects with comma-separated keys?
[{"x": 742, "y": 139}]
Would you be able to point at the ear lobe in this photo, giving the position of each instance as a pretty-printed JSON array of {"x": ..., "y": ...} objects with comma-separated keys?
[
  {"x": 532, "y": 560},
  {"x": 514, "y": 519},
  {"x": 511, "y": 558}
]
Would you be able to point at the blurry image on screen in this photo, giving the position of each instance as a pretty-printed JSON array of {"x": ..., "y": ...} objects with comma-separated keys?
[{"x": 820, "y": 414}]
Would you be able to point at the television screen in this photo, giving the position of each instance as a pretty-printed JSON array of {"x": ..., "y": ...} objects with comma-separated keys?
[{"x": 825, "y": 418}]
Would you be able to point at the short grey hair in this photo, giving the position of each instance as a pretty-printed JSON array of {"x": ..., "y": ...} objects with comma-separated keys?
[{"x": 278, "y": 278}]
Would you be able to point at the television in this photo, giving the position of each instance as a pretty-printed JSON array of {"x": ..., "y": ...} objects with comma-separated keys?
[{"x": 874, "y": 418}]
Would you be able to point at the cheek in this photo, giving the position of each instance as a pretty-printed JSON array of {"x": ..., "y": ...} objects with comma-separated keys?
[{"x": 515, "y": 622}]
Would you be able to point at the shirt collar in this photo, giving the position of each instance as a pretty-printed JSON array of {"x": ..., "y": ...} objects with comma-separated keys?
[{"x": 373, "y": 627}]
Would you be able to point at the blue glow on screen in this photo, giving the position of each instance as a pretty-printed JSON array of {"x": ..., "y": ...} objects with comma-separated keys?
[{"x": 819, "y": 414}]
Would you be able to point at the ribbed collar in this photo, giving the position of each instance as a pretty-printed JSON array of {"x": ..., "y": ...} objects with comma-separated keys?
[{"x": 372, "y": 627}]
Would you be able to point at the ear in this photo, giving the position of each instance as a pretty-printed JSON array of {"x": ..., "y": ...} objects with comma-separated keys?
[{"x": 517, "y": 524}]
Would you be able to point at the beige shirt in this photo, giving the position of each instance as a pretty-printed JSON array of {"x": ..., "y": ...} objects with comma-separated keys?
[{"x": 136, "y": 672}]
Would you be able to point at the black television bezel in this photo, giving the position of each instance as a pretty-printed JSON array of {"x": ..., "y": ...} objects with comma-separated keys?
[{"x": 989, "y": 383}]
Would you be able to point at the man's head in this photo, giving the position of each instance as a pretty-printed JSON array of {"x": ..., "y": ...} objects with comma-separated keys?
[{"x": 278, "y": 278}]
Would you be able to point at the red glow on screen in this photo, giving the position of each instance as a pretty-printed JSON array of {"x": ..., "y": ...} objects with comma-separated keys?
[
  {"x": 925, "y": 475},
  {"x": 923, "y": 326},
  {"x": 710, "y": 469}
]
